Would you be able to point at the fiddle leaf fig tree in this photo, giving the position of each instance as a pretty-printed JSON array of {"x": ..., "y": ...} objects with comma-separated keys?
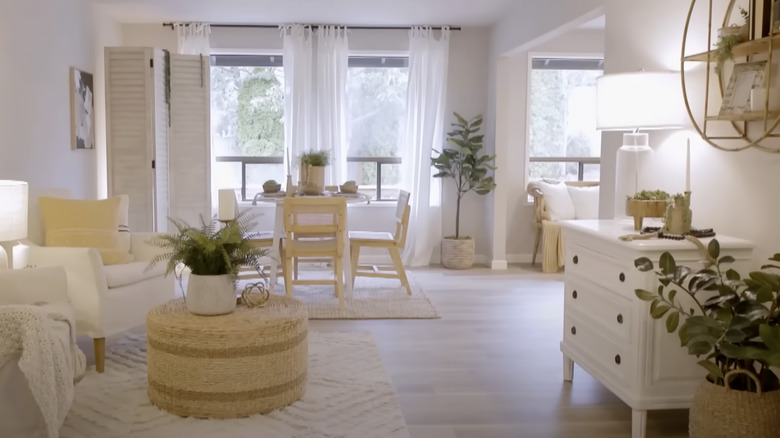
[{"x": 463, "y": 162}]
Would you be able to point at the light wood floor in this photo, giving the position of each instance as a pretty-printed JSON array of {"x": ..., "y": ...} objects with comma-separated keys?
[{"x": 491, "y": 366}]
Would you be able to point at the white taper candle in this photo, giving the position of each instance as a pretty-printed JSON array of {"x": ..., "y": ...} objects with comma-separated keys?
[{"x": 688, "y": 167}]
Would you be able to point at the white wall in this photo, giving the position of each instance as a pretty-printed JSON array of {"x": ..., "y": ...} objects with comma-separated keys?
[
  {"x": 39, "y": 41},
  {"x": 466, "y": 94}
]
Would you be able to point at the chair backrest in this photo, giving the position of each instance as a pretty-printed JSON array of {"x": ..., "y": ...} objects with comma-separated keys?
[
  {"x": 321, "y": 216},
  {"x": 402, "y": 211}
]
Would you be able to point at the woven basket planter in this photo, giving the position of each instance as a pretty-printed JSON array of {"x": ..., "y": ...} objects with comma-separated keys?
[
  {"x": 720, "y": 412},
  {"x": 457, "y": 253}
]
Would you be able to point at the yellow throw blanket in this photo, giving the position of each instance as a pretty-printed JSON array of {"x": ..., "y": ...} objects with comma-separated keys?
[{"x": 553, "y": 257}]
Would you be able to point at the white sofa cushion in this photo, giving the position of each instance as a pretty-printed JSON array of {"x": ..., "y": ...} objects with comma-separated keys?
[
  {"x": 129, "y": 273},
  {"x": 557, "y": 200},
  {"x": 585, "y": 201}
]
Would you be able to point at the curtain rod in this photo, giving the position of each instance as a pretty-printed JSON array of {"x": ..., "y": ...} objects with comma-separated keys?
[{"x": 276, "y": 26}]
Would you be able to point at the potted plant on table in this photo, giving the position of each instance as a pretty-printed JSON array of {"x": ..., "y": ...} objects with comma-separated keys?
[
  {"x": 647, "y": 203},
  {"x": 312, "y": 174},
  {"x": 465, "y": 165},
  {"x": 733, "y": 324},
  {"x": 214, "y": 254}
]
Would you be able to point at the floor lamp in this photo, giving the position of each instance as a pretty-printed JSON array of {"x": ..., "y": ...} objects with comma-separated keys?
[
  {"x": 634, "y": 101},
  {"x": 13, "y": 216}
]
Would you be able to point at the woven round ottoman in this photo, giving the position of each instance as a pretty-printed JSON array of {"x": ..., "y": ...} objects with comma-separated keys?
[{"x": 251, "y": 361}]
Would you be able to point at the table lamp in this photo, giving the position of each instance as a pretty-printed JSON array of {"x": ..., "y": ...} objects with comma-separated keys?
[
  {"x": 634, "y": 101},
  {"x": 13, "y": 215}
]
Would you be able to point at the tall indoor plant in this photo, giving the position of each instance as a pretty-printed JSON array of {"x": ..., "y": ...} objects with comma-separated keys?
[
  {"x": 468, "y": 167},
  {"x": 214, "y": 254},
  {"x": 733, "y": 324}
]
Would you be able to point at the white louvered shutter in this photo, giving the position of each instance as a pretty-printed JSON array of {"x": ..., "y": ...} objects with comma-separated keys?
[
  {"x": 129, "y": 130},
  {"x": 189, "y": 139},
  {"x": 161, "y": 192}
]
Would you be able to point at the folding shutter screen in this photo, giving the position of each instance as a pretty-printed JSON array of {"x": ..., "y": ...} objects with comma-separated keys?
[
  {"x": 189, "y": 145},
  {"x": 129, "y": 131},
  {"x": 161, "y": 123}
]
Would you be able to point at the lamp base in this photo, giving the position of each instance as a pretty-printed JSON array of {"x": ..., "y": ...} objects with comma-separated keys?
[{"x": 631, "y": 165}]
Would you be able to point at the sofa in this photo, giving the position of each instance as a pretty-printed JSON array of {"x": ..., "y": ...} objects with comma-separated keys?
[{"x": 555, "y": 201}]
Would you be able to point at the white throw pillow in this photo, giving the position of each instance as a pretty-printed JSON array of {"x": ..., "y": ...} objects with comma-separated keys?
[
  {"x": 557, "y": 200},
  {"x": 586, "y": 201}
]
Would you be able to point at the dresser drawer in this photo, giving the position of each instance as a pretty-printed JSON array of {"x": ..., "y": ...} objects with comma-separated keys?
[
  {"x": 607, "y": 310},
  {"x": 594, "y": 351},
  {"x": 616, "y": 276}
]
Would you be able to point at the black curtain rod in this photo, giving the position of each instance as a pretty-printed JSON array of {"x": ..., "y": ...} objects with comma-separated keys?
[{"x": 276, "y": 26}]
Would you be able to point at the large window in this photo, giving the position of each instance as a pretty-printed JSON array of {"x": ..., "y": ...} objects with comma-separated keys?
[
  {"x": 376, "y": 92},
  {"x": 563, "y": 141},
  {"x": 247, "y": 127}
]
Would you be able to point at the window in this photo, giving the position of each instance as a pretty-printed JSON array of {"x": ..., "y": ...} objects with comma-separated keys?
[
  {"x": 563, "y": 141},
  {"x": 376, "y": 94},
  {"x": 247, "y": 127}
]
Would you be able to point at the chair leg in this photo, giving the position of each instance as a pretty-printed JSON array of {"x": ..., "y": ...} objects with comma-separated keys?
[
  {"x": 288, "y": 276},
  {"x": 399, "y": 269},
  {"x": 295, "y": 268},
  {"x": 99, "y": 345},
  {"x": 354, "y": 253},
  {"x": 536, "y": 245},
  {"x": 338, "y": 272}
]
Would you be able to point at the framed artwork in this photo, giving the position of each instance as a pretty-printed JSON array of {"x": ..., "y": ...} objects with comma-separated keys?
[
  {"x": 744, "y": 77},
  {"x": 82, "y": 110}
]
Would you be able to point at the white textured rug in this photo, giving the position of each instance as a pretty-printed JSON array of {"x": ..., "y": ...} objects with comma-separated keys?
[
  {"x": 348, "y": 394},
  {"x": 372, "y": 298}
]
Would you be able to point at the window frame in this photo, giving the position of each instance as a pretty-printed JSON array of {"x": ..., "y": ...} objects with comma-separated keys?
[{"x": 527, "y": 153}]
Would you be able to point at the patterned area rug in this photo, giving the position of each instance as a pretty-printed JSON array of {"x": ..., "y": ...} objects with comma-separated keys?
[
  {"x": 348, "y": 394},
  {"x": 373, "y": 298}
]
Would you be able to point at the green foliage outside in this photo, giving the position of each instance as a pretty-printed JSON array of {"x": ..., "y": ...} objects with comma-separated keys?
[{"x": 730, "y": 322}]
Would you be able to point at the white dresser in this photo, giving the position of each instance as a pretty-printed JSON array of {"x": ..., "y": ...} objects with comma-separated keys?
[{"x": 609, "y": 332}]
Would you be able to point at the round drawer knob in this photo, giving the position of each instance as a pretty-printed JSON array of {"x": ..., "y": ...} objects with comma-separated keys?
[
  {"x": 575, "y": 259},
  {"x": 622, "y": 277},
  {"x": 574, "y": 294},
  {"x": 574, "y": 330},
  {"x": 617, "y": 359},
  {"x": 620, "y": 318}
]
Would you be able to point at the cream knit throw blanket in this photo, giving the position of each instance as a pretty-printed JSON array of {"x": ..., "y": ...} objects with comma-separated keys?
[{"x": 50, "y": 363}]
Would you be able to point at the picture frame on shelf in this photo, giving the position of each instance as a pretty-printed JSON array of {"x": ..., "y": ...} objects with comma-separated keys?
[{"x": 744, "y": 77}]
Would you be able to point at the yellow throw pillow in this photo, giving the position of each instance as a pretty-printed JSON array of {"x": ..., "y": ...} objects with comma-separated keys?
[{"x": 84, "y": 224}]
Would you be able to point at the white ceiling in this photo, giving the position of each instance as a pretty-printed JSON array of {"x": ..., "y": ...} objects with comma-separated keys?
[{"x": 346, "y": 12}]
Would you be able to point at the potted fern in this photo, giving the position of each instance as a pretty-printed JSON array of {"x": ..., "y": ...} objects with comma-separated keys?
[
  {"x": 732, "y": 323},
  {"x": 312, "y": 175},
  {"x": 214, "y": 254},
  {"x": 464, "y": 163}
]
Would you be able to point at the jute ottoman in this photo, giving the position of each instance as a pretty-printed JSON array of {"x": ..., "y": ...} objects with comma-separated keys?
[{"x": 248, "y": 362}]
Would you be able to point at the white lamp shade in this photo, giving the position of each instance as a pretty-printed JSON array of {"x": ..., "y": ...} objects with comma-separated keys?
[
  {"x": 13, "y": 210},
  {"x": 228, "y": 205},
  {"x": 640, "y": 100}
]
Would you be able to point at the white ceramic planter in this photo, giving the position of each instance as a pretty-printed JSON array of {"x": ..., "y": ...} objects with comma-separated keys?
[
  {"x": 457, "y": 253},
  {"x": 210, "y": 294}
]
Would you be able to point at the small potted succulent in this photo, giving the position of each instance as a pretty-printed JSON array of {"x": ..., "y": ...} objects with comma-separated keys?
[
  {"x": 312, "y": 172},
  {"x": 732, "y": 323},
  {"x": 647, "y": 203}
]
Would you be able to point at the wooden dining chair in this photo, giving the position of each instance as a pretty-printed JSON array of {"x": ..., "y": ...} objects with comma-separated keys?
[
  {"x": 320, "y": 216},
  {"x": 393, "y": 242}
]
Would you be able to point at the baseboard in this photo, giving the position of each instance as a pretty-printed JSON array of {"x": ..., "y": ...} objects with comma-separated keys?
[
  {"x": 522, "y": 258},
  {"x": 499, "y": 265}
]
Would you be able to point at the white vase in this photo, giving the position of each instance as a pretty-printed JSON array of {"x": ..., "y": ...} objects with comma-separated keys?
[{"x": 210, "y": 294}]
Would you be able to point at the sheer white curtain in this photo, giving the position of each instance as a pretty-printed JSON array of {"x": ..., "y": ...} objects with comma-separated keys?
[
  {"x": 331, "y": 91},
  {"x": 194, "y": 38},
  {"x": 424, "y": 130},
  {"x": 299, "y": 94}
]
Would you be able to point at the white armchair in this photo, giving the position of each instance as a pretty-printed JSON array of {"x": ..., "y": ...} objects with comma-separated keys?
[
  {"x": 39, "y": 358},
  {"x": 106, "y": 299}
]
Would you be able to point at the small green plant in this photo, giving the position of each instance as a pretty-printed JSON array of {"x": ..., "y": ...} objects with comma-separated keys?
[
  {"x": 463, "y": 162},
  {"x": 733, "y": 322},
  {"x": 315, "y": 158},
  {"x": 724, "y": 49},
  {"x": 650, "y": 195},
  {"x": 271, "y": 182},
  {"x": 210, "y": 249}
]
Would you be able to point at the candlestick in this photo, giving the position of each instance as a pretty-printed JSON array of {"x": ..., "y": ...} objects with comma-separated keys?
[{"x": 688, "y": 167}]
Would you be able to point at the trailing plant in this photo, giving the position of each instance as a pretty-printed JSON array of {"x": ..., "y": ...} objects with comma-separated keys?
[
  {"x": 315, "y": 158},
  {"x": 463, "y": 163},
  {"x": 725, "y": 45},
  {"x": 210, "y": 249},
  {"x": 729, "y": 321},
  {"x": 650, "y": 195}
]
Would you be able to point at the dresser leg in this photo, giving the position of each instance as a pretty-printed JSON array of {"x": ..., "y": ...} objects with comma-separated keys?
[
  {"x": 568, "y": 369},
  {"x": 638, "y": 423}
]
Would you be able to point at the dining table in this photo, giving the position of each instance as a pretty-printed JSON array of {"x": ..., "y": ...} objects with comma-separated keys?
[{"x": 277, "y": 198}]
